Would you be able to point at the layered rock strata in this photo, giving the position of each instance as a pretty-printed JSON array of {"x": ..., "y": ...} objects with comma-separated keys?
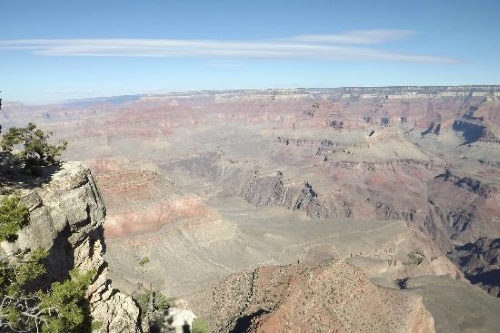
[{"x": 66, "y": 218}]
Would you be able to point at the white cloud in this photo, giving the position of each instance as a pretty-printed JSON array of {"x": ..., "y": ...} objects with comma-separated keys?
[
  {"x": 342, "y": 47},
  {"x": 362, "y": 37}
]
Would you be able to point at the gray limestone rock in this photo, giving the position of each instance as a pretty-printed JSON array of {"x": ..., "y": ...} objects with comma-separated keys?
[{"x": 66, "y": 219}]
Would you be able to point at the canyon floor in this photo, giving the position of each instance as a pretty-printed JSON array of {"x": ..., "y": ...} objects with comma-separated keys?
[{"x": 288, "y": 210}]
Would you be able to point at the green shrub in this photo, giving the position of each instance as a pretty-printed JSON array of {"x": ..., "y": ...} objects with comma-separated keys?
[
  {"x": 13, "y": 216},
  {"x": 153, "y": 306},
  {"x": 200, "y": 326},
  {"x": 31, "y": 267},
  {"x": 144, "y": 261},
  {"x": 96, "y": 325},
  {"x": 60, "y": 309},
  {"x": 36, "y": 149},
  {"x": 161, "y": 302},
  {"x": 71, "y": 310},
  {"x": 15, "y": 275}
]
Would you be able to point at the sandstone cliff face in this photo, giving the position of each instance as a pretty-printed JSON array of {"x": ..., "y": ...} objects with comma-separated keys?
[{"x": 66, "y": 218}]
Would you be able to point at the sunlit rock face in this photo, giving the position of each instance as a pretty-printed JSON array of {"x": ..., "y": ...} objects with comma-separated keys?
[{"x": 66, "y": 218}]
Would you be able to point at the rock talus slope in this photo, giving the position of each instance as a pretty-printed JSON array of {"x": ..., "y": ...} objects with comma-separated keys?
[{"x": 332, "y": 296}]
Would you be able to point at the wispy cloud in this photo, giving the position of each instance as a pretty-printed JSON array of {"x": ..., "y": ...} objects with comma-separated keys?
[
  {"x": 349, "y": 46},
  {"x": 362, "y": 37}
]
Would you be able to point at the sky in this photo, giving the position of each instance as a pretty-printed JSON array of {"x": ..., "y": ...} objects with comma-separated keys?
[{"x": 56, "y": 50}]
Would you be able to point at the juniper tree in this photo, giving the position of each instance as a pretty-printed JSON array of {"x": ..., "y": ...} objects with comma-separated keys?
[{"x": 34, "y": 148}]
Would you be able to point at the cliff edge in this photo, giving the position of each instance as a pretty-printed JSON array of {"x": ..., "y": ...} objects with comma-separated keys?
[{"x": 66, "y": 218}]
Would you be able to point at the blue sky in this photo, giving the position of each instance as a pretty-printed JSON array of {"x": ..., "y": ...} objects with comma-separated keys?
[{"x": 56, "y": 50}]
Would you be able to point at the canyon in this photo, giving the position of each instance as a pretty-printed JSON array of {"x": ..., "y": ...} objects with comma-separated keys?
[{"x": 335, "y": 210}]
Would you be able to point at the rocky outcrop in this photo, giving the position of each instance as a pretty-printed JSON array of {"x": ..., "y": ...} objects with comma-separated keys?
[
  {"x": 480, "y": 262},
  {"x": 473, "y": 185},
  {"x": 245, "y": 181},
  {"x": 463, "y": 207},
  {"x": 66, "y": 219},
  {"x": 332, "y": 296}
]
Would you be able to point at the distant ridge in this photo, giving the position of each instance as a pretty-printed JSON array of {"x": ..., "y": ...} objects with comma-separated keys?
[{"x": 120, "y": 99}]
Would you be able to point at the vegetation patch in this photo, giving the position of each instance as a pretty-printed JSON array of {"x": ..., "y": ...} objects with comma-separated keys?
[
  {"x": 200, "y": 326},
  {"x": 153, "y": 306},
  {"x": 31, "y": 147},
  {"x": 144, "y": 261},
  {"x": 13, "y": 216},
  {"x": 25, "y": 307}
]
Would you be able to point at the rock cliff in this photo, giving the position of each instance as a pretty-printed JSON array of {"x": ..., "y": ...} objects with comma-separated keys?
[
  {"x": 66, "y": 219},
  {"x": 481, "y": 263}
]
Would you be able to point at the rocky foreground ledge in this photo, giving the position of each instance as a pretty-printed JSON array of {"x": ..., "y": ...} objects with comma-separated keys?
[{"x": 66, "y": 218}]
